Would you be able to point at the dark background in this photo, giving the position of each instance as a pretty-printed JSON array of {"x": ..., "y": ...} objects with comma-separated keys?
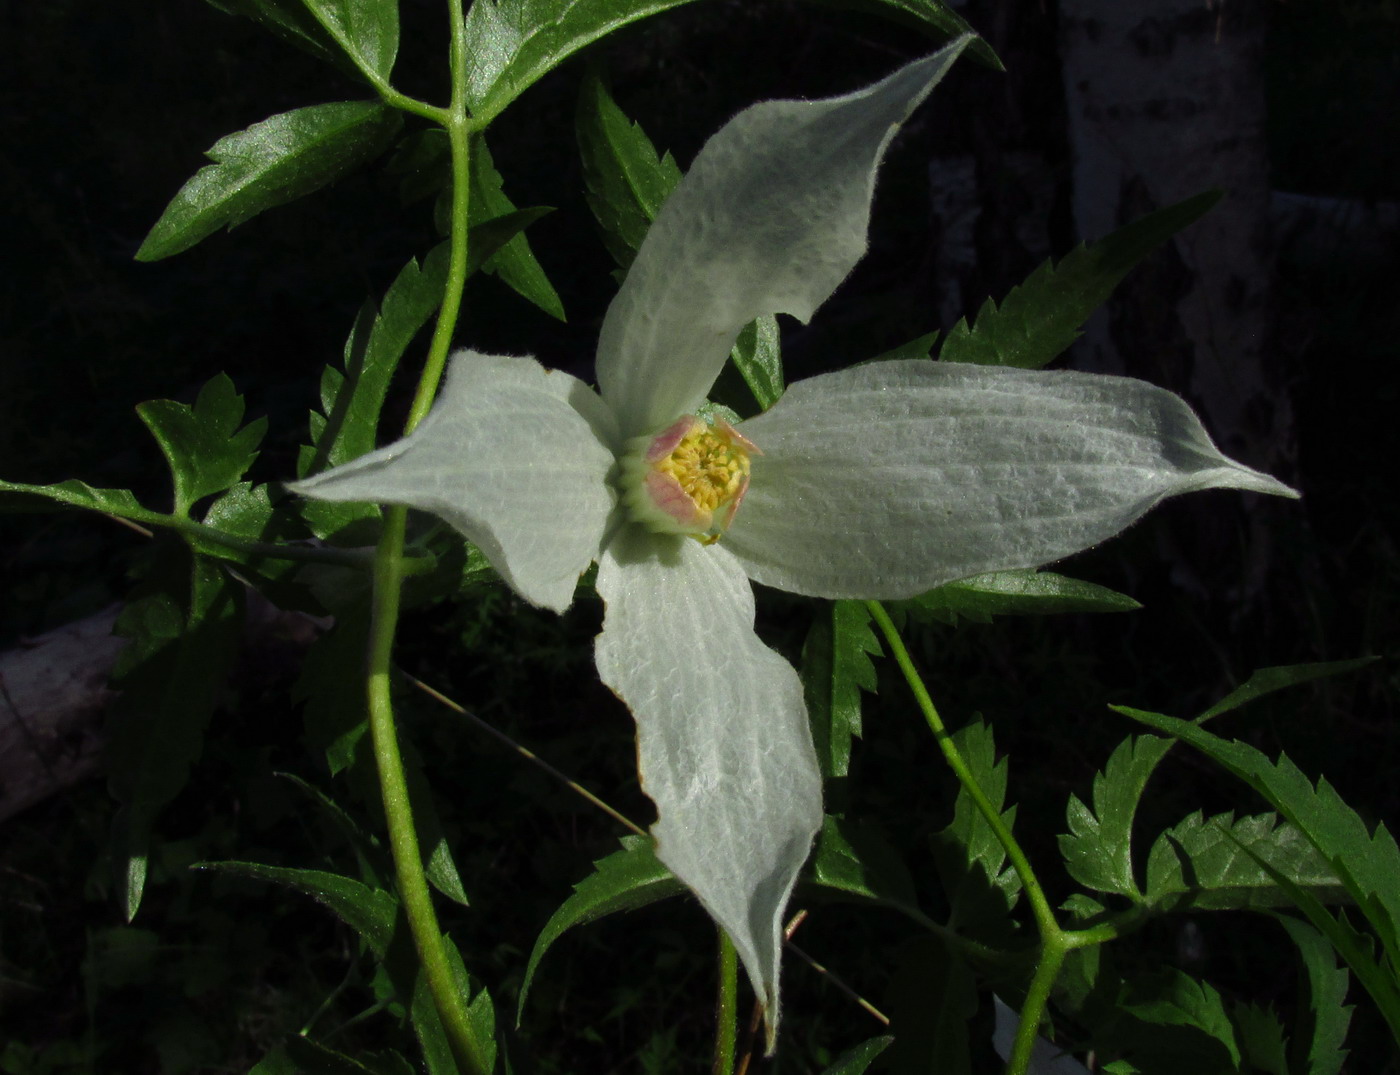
[{"x": 104, "y": 112}]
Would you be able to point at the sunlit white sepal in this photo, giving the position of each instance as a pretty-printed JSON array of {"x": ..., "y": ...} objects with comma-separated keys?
[
  {"x": 514, "y": 456},
  {"x": 723, "y": 745},
  {"x": 771, "y": 216},
  {"x": 888, "y": 479}
]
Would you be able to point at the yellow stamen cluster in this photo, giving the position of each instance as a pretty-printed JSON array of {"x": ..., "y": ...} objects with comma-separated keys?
[{"x": 687, "y": 479}]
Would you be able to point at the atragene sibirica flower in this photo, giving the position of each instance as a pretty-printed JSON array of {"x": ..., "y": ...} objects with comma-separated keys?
[{"x": 883, "y": 480}]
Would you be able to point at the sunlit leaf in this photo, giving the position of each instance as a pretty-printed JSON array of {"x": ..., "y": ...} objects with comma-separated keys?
[
  {"x": 1261, "y": 1037},
  {"x": 1366, "y": 860},
  {"x": 1201, "y": 863},
  {"x": 203, "y": 445},
  {"x": 1320, "y": 1033},
  {"x": 368, "y": 31},
  {"x": 1098, "y": 848},
  {"x": 270, "y": 163},
  {"x": 1040, "y": 318},
  {"x": 1014, "y": 593},
  {"x": 352, "y": 400},
  {"x": 836, "y": 667},
  {"x": 981, "y": 887},
  {"x": 623, "y": 881},
  {"x": 72, "y": 494},
  {"x": 627, "y": 180}
]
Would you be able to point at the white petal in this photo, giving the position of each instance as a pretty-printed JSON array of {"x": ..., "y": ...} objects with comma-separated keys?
[
  {"x": 514, "y": 456},
  {"x": 769, "y": 219},
  {"x": 723, "y": 744},
  {"x": 1046, "y": 1059},
  {"x": 885, "y": 480}
]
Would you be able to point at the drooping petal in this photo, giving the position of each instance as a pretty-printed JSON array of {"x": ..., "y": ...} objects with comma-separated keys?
[
  {"x": 514, "y": 456},
  {"x": 885, "y": 480},
  {"x": 770, "y": 218},
  {"x": 723, "y": 744}
]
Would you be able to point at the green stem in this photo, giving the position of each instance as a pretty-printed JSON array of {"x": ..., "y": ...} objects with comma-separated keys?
[
  {"x": 726, "y": 1006},
  {"x": 398, "y": 811},
  {"x": 470, "y": 1053},
  {"x": 1055, "y": 942},
  {"x": 459, "y": 126},
  {"x": 361, "y": 558},
  {"x": 1035, "y": 895}
]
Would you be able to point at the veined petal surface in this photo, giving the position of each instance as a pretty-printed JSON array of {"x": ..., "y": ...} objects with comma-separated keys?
[
  {"x": 886, "y": 480},
  {"x": 770, "y": 218},
  {"x": 723, "y": 745},
  {"x": 514, "y": 456}
]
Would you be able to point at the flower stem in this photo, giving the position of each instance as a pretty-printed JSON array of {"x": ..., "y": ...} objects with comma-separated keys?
[
  {"x": 398, "y": 811},
  {"x": 470, "y": 1053},
  {"x": 1055, "y": 942},
  {"x": 726, "y": 1006}
]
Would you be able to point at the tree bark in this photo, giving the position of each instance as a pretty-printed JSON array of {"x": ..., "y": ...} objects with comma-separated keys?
[{"x": 1166, "y": 99}]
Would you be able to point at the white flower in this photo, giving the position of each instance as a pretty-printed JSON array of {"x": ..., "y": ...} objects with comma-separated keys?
[{"x": 880, "y": 481}]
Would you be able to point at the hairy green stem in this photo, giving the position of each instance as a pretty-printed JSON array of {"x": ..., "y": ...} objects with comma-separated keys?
[
  {"x": 726, "y": 1006},
  {"x": 1054, "y": 942},
  {"x": 398, "y": 811},
  {"x": 1035, "y": 895},
  {"x": 470, "y": 1052}
]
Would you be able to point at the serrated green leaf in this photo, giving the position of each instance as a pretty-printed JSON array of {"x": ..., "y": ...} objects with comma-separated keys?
[
  {"x": 623, "y": 881},
  {"x": 1026, "y": 592},
  {"x": 367, "y": 30},
  {"x": 854, "y": 1061},
  {"x": 510, "y": 44},
  {"x": 1040, "y": 318},
  {"x": 1261, "y": 1037},
  {"x": 1353, "y": 946},
  {"x": 627, "y": 180},
  {"x": 1367, "y": 862},
  {"x": 1098, "y": 848},
  {"x": 971, "y": 861},
  {"x": 1172, "y": 998},
  {"x": 269, "y": 164},
  {"x": 836, "y": 667},
  {"x": 352, "y": 400},
  {"x": 184, "y": 634},
  {"x": 1202, "y": 864},
  {"x": 370, "y": 912},
  {"x": 1267, "y": 680},
  {"x": 514, "y": 262},
  {"x": 1319, "y": 1036},
  {"x": 73, "y": 494},
  {"x": 203, "y": 445},
  {"x": 855, "y": 858},
  {"x": 427, "y": 1024}
]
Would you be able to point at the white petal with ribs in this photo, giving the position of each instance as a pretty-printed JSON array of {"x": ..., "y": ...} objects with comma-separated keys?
[
  {"x": 770, "y": 218},
  {"x": 514, "y": 456},
  {"x": 886, "y": 480},
  {"x": 724, "y": 749}
]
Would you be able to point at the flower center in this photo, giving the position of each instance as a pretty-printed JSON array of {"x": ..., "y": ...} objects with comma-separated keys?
[{"x": 687, "y": 479}]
